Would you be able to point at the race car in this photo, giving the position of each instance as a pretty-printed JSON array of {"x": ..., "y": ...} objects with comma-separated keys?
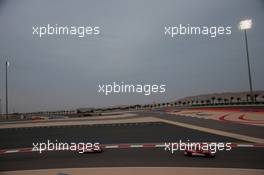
[
  {"x": 98, "y": 149},
  {"x": 199, "y": 152}
]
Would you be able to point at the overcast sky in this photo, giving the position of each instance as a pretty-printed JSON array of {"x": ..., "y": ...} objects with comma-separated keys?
[{"x": 56, "y": 73}]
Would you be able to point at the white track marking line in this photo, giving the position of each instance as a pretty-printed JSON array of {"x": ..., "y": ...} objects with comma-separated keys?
[
  {"x": 111, "y": 146},
  {"x": 158, "y": 146},
  {"x": 244, "y": 145},
  {"x": 136, "y": 146},
  {"x": 11, "y": 151}
]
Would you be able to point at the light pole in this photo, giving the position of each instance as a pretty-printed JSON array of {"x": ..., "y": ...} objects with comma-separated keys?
[
  {"x": 244, "y": 25},
  {"x": 1, "y": 107},
  {"x": 7, "y": 65}
]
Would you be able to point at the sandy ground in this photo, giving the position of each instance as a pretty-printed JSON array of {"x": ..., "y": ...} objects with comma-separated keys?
[
  {"x": 108, "y": 116},
  {"x": 87, "y": 122},
  {"x": 136, "y": 170}
]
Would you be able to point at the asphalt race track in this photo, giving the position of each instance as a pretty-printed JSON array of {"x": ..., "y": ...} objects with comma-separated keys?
[
  {"x": 140, "y": 157},
  {"x": 249, "y": 130},
  {"x": 106, "y": 134},
  {"x": 157, "y": 132}
]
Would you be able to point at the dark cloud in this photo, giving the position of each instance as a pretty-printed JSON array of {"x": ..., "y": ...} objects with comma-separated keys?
[{"x": 64, "y": 72}]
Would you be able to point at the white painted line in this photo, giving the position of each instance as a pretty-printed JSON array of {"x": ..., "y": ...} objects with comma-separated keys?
[
  {"x": 243, "y": 145},
  {"x": 136, "y": 146},
  {"x": 111, "y": 146},
  {"x": 11, "y": 151},
  {"x": 158, "y": 146}
]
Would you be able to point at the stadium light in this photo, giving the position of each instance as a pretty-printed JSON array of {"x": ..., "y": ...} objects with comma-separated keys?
[{"x": 244, "y": 25}]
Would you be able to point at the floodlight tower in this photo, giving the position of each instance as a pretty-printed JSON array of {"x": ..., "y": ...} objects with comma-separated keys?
[
  {"x": 245, "y": 25},
  {"x": 7, "y": 65}
]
